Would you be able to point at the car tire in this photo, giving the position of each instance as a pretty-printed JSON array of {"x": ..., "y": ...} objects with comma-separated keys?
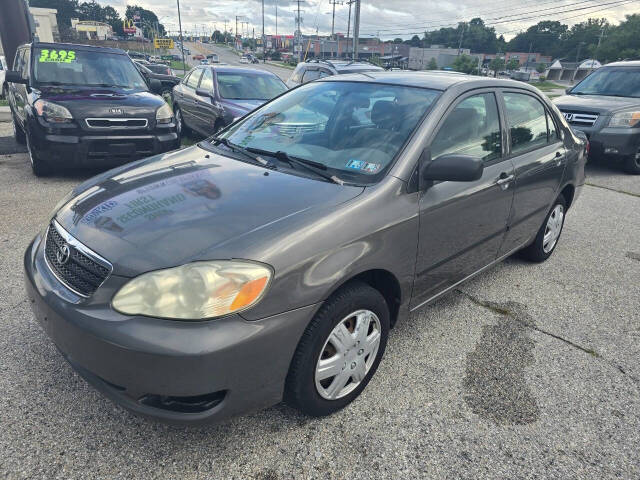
[
  {"x": 181, "y": 128},
  {"x": 311, "y": 387},
  {"x": 543, "y": 245},
  {"x": 632, "y": 164},
  {"x": 18, "y": 132},
  {"x": 38, "y": 166}
]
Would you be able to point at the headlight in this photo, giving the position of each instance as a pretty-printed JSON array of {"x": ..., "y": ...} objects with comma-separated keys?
[
  {"x": 194, "y": 291},
  {"x": 625, "y": 120},
  {"x": 52, "y": 112},
  {"x": 164, "y": 114}
]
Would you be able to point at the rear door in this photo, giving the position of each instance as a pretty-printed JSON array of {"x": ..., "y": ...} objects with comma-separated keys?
[
  {"x": 188, "y": 100},
  {"x": 462, "y": 224},
  {"x": 207, "y": 108},
  {"x": 539, "y": 158}
]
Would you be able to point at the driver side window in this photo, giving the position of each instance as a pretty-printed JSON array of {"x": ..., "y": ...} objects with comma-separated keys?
[{"x": 471, "y": 128}]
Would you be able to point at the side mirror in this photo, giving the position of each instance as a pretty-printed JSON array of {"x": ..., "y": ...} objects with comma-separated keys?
[
  {"x": 155, "y": 85},
  {"x": 568, "y": 89},
  {"x": 11, "y": 76},
  {"x": 201, "y": 92},
  {"x": 454, "y": 168}
]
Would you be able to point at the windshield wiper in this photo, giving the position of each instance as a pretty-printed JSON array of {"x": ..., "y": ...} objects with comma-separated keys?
[
  {"x": 244, "y": 151},
  {"x": 318, "y": 168}
]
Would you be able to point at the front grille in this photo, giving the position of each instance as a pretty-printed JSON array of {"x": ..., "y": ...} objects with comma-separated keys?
[
  {"x": 83, "y": 271},
  {"x": 123, "y": 149},
  {"x": 582, "y": 119},
  {"x": 117, "y": 122}
]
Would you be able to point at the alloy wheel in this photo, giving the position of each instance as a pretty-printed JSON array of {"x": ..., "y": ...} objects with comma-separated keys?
[
  {"x": 348, "y": 354},
  {"x": 553, "y": 229},
  {"x": 178, "y": 115}
]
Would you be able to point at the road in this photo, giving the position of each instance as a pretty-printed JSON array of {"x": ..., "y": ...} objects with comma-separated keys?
[
  {"x": 228, "y": 56},
  {"x": 528, "y": 371}
]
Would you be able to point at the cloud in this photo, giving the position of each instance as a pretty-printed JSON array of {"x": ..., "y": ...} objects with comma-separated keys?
[{"x": 389, "y": 18}]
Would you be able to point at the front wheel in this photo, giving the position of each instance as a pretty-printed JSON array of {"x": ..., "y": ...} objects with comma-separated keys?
[
  {"x": 547, "y": 238},
  {"x": 18, "y": 132},
  {"x": 632, "y": 164},
  {"x": 39, "y": 167},
  {"x": 339, "y": 351},
  {"x": 181, "y": 128}
]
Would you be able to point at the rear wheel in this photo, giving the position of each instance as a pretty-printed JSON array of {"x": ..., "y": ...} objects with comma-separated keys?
[
  {"x": 632, "y": 164},
  {"x": 39, "y": 167},
  {"x": 181, "y": 128},
  {"x": 339, "y": 351},
  {"x": 549, "y": 234}
]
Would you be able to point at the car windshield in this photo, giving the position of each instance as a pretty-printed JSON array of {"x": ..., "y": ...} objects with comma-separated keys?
[
  {"x": 59, "y": 66},
  {"x": 353, "y": 130},
  {"x": 614, "y": 81},
  {"x": 244, "y": 86}
]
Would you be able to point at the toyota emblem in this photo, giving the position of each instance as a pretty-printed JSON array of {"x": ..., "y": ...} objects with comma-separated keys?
[{"x": 63, "y": 254}]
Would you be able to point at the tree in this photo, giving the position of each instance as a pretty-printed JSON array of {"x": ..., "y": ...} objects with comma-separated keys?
[
  {"x": 465, "y": 64},
  {"x": 433, "y": 65},
  {"x": 497, "y": 64},
  {"x": 544, "y": 37},
  {"x": 397, "y": 40},
  {"x": 512, "y": 65},
  {"x": 541, "y": 68},
  {"x": 148, "y": 20}
]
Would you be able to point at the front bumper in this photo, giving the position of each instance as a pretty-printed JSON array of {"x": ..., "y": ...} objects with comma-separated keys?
[
  {"x": 175, "y": 371},
  {"x": 78, "y": 148},
  {"x": 612, "y": 143}
]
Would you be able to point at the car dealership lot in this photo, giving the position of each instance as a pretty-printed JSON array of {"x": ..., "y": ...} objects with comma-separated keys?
[{"x": 529, "y": 370}]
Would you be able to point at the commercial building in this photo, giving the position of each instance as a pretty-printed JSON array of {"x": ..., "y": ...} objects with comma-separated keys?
[
  {"x": 46, "y": 24},
  {"x": 421, "y": 58},
  {"x": 92, "y": 30},
  {"x": 571, "y": 71}
]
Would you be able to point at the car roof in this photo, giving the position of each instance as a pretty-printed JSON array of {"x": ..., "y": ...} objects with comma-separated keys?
[
  {"x": 219, "y": 67},
  {"x": 626, "y": 63},
  {"x": 77, "y": 46},
  {"x": 436, "y": 80}
]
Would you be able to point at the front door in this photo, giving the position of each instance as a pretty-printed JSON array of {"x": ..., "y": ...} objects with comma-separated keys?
[{"x": 462, "y": 224}]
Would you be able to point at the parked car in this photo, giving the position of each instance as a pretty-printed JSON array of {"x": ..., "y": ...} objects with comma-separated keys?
[
  {"x": 198, "y": 56},
  {"x": 213, "y": 58},
  {"x": 314, "y": 69},
  {"x": 159, "y": 73},
  {"x": 606, "y": 107},
  {"x": 211, "y": 97},
  {"x": 3, "y": 69},
  {"x": 244, "y": 59},
  {"x": 204, "y": 62},
  {"x": 138, "y": 55},
  {"x": 252, "y": 58},
  {"x": 78, "y": 105},
  {"x": 270, "y": 262}
]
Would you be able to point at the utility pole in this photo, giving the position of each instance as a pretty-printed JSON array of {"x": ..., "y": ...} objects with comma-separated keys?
[
  {"x": 349, "y": 2},
  {"x": 235, "y": 37},
  {"x": 333, "y": 3},
  {"x": 225, "y": 31},
  {"x": 298, "y": 35},
  {"x": 276, "y": 20},
  {"x": 356, "y": 30},
  {"x": 464, "y": 25},
  {"x": 184, "y": 67},
  {"x": 264, "y": 44}
]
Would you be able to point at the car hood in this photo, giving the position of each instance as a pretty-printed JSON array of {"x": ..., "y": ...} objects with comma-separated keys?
[
  {"x": 595, "y": 103},
  {"x": 242, "y": 105},
  {"x": 174, "y": 208},
  {"x": 98, "y": 102}
]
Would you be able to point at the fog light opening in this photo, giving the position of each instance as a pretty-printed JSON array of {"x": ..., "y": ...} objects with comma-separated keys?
[{"x": 189, "y": 404}]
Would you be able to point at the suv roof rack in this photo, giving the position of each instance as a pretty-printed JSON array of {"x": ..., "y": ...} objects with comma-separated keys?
[
  {"x": 321, "y": 60},
  {"x": 363, "y": 61}
]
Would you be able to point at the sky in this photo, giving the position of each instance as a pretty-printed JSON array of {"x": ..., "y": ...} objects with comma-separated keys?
[{"x": 387, "y": 18}]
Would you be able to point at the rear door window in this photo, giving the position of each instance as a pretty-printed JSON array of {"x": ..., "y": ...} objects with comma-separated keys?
[
  {"x": 527, "y": 121},
  {"x": 194, "y": 78},
  {"x": 207, "y": 80},
  {"x": 310, "y": 75}
]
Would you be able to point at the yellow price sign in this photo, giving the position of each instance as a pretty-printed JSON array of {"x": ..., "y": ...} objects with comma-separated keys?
[
  {"x": 57, "y": 56},
  {"x": 163, "y": 43}
]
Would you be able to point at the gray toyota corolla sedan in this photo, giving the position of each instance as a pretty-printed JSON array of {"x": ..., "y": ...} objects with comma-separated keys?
[{"x": 270, "y": 262}]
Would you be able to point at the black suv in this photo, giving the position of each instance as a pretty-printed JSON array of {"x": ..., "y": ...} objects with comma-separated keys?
[
  {"x": 78, "y": 105},
  {"x": 606, "y": 107}
]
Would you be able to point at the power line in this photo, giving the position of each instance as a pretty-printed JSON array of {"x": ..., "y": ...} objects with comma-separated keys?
[{"x": 506, "y": 19}]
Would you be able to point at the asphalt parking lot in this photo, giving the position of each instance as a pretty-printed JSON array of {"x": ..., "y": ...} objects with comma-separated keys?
[{"x": 529, "y": 371}]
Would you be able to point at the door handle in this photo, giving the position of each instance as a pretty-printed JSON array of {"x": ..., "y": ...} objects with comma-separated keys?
[
  {"x": 558, "y": 158},
  {"x": 505, "y": 180}
]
